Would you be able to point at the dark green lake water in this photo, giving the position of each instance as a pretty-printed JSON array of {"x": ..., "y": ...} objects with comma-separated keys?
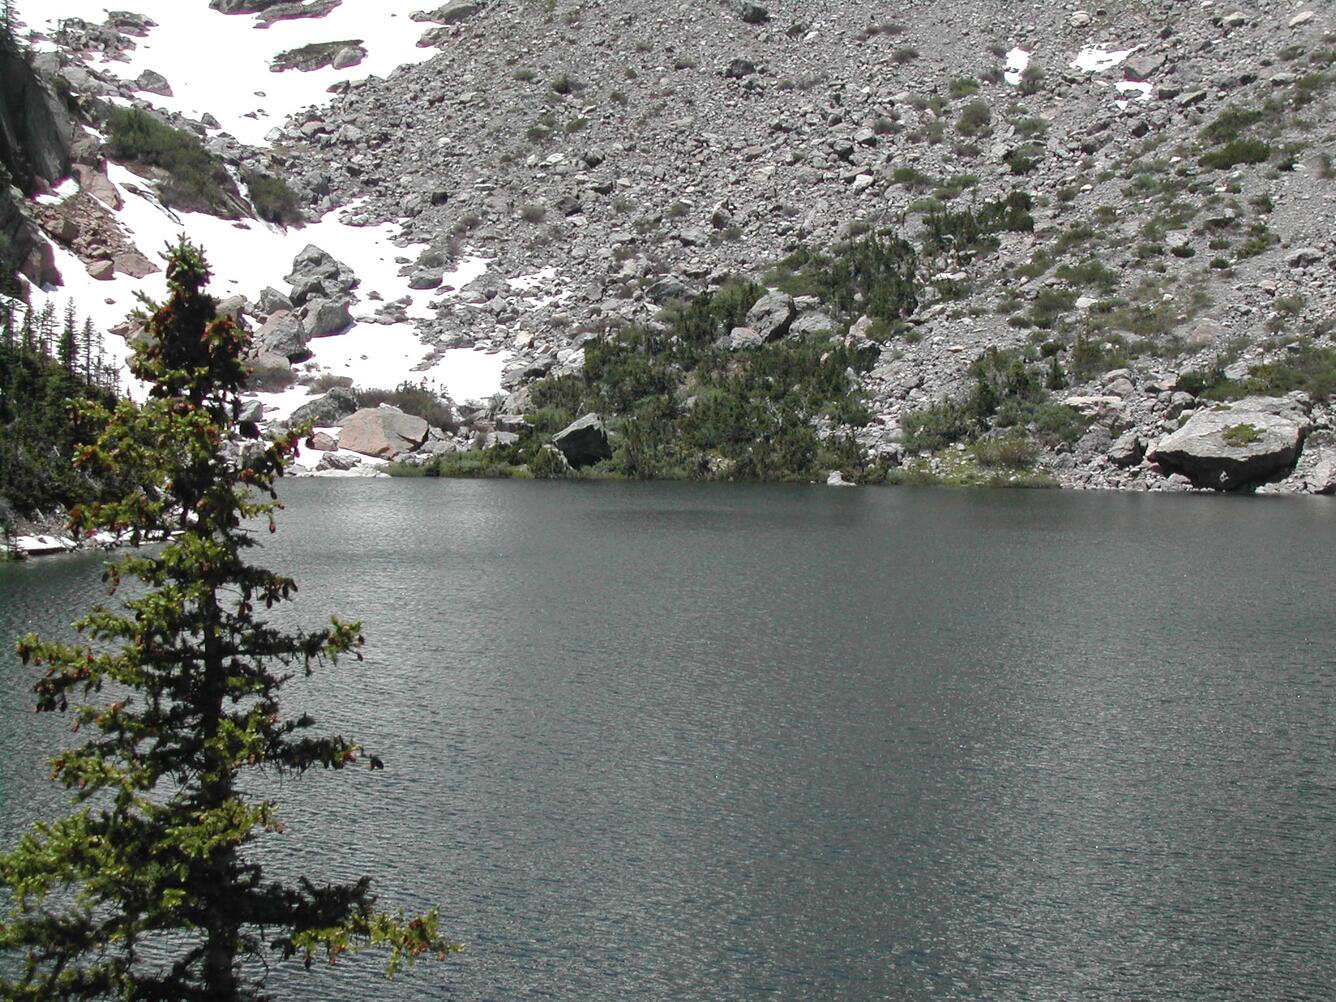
[{"x": 708, "y": 742}]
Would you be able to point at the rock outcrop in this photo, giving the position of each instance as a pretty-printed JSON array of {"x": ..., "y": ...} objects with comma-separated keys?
[
  {"x": 584, "y": 442},
  {"x": 1229, "y": 447},
  {"x": 382, "y": 432}
]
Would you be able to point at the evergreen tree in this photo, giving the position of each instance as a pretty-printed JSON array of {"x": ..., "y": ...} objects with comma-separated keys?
[{"x": 154, "y": 858}]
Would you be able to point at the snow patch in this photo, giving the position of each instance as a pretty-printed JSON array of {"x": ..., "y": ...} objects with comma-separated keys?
[
  {"x": 1098, "y": 58},
  {"x": 203, "y": 77},
  {"x": 61, "y": 194},
  {"x": 1018, "y": 61}
]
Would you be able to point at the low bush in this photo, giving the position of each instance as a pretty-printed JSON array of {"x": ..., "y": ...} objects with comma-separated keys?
[
  {"x": 195, "y": 181},
  {"x": 1238, "y": 151},
  {"x": 274, "y": 199},
  {"x": 413, "y": 398}
]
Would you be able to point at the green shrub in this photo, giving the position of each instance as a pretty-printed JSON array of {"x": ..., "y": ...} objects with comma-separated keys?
[
  {"x": 196, "y": 181},
  {"x": 274, "y": 199},
  {"x": 1238, "y": 151},
  {"x": 1013, "y": 451},
  {"x": 1231, "y": 123},
  {"x": 1239, "y": 435},
  {"x": 963, "y": 87},
  {"x": 975, "y": 120},
  {"x": 413, "y": 398}
]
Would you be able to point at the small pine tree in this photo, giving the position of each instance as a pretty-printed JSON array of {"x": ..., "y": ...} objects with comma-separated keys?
[{"x": 155, "y": 852}]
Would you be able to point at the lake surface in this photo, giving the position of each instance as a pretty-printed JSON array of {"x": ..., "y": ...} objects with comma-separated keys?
[{"x": 733, "y": 742}]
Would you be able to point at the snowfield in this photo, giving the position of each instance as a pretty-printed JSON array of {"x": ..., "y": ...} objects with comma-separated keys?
[
  {"x": 219, "y": 63},
  {"x": 230, "y": 79}
]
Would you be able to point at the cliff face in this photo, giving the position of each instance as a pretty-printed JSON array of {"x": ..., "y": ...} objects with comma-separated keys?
[
  {"x": 36, "y": 131},
  {"x": 36, "y": 127}
]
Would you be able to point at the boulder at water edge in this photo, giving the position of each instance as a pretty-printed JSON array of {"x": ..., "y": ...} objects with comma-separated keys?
[
  {"x": 382, "y": 432},
  {"x": 584, "y": 442},
  {"x": 1231, "y": 446}
]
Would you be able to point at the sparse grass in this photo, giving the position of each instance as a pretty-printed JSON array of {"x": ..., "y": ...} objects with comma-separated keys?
[{"x": 904, "y": 54}]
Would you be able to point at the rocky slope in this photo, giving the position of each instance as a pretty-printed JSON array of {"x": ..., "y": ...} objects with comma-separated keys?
[{"x": 620, "y": 155}]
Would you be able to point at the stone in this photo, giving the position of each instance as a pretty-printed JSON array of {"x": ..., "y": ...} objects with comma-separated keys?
[
  {"x": 153, "y": 83},
  {"x": 772, "y": 315},
  {"x": 740, "y": 339},
  {"x": 340, "y": 461},
  {"x": 1300, "y": 19},
  {"x": 269, "y": 373},
  {"x": 283, "y": 334},
  {"x": 811, "y": 322},
  {"x": 492, "y": 439},
  {"x": 316, "y": 274},
  {"x": 326, "y": 411},
  {"x": 424, "y": 279},
  {"x": 1229, "y": 447},
  {"x": 739, "y": 68},
  {"x": 323, "y": 317},
  {"x": 348, "y": 57},
  {"x": 753, "y": 13},
  {"x": 103, "y": 271},
  {"x": 584, "y": 441},
  {"x": 1302, "y": 257},
  {"x": 271, "y": 301},
  {"x": 382, "y": 432},
  {"x": 252, "y": 412},
  {"x": 451, "y": 13},
  {"x": 836, "y": 479},
  {"x": 323, "y": 442},
  {"x": 1127, "y": 450}
]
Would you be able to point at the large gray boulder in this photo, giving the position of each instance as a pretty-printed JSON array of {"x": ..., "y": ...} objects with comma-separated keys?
[
  {"x": 323, "y": 317},
  {"x": 326, "y": 411},
  {"x": 1232, "y": 446},
  {"x": 283, "y": 334},
  {"x": 382, "y": 432},
  {"x": 772, "y": 316},
  {"x": 584, "y": 442},
  {"x": 317, "y": 275}
]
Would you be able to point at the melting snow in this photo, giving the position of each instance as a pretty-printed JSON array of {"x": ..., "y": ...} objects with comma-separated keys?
[
  {"x": 1140, "y": 88},
  {"x": 1018, "y": 61},
  {"x": 204, "y": 55},
  {"x": 1098, "y": 58},
  {"x": 62, "y": 193}
]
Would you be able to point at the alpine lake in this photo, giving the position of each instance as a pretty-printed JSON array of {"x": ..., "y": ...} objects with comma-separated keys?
[{"x": 677, "y": 741}]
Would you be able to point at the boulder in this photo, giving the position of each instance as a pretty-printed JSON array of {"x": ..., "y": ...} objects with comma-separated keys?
[
  {"x": 325, "y": 411},
  {"x": 252, "y": 412},
  {"x": 1229, "y": 447},
  {"x": 340, "y": 461},
  {"x": 772, "y": 315},
  {"x": 323, "y": 317},
  {"x": 584, "y": 442},
  {"x": 269, "y": 373},
  {"x": 451, "y": 13},
  {"x": 1127, "y": 450},
  {"x": 740, "y": 339},
  {"x": 812, "y": 322},
  {"x": 316, "y": 275},
  {"x": 382, "y": 432},
  {"x": 753, "y": 13},
  {"x": 283, "y": 334}
]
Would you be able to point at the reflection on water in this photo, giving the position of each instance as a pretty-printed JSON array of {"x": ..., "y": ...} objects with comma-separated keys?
[{"x": 674, "y": 741}]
